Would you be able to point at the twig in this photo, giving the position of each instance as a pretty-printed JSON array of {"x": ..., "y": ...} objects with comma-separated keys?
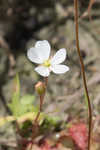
[{"x": 83, "y": 73}]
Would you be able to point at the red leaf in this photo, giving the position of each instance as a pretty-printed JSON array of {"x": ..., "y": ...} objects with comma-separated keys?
[
  {"x": 78, "y": 133},
  {"x": 45, "y": 145}
]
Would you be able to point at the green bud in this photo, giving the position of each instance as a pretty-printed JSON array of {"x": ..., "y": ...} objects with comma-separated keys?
[{"x": 40, "y": 88}]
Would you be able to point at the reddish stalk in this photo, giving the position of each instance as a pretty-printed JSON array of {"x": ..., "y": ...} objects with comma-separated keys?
[
  {"x": 35, "y": 123},
  {"x": 83, "y": 73}
]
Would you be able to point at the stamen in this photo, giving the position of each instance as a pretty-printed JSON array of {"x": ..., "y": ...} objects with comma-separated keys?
[{"x": 47, "y": 63}]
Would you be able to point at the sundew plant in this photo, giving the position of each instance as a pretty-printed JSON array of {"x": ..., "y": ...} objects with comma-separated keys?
[
  {"x": 40, "y": 54},
  {"x": 34, "y": 127}
]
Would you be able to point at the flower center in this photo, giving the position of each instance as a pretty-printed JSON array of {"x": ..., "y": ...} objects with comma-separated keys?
[{"x": 47, "y": 63}]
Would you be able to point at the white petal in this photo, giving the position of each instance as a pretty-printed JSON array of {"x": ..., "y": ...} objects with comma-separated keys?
[
  {"x": 44, "y": 48},
  {"x": 59, "y": 57},
  {"x": 59, "y": 69},
  {"x": 43, "y": 71},
  {"x": 33, "y": 55}
]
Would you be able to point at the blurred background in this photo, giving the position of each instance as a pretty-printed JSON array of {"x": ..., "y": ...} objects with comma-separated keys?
[{"x": 22, "y": 23}]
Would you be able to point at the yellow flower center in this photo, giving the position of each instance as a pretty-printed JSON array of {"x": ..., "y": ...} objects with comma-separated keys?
[{"x": 47, "y": 63}]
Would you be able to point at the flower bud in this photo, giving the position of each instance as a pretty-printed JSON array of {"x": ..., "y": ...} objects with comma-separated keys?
[{"x": 40, "y": 88}]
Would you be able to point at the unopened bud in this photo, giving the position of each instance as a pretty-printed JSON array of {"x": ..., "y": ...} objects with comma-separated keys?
[{"x": 40, "y": 88}]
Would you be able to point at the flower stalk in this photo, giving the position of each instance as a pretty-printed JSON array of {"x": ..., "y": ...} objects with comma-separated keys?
[
  {"x": 40, "y": 54},
  {"x": 83, "y": 73},
  {"x": 42, "y": 95}
]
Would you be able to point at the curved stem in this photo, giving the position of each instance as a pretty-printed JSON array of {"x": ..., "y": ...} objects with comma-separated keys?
[{"x": 83, "y": 73}]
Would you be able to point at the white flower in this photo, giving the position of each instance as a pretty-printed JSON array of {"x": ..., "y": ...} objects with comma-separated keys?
[{"x": 40, "y": 54}]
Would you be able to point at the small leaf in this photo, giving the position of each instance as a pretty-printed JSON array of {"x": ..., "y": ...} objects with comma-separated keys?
[
  {"x": 21, "y": 105},
  {"x": 15, "y": 105},
  {"x": 29, "y": 116}
]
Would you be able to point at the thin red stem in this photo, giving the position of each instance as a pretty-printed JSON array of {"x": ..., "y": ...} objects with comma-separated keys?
[
  {"x": 35, "y": 123},
  {"x": 83, "y": 73}
]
